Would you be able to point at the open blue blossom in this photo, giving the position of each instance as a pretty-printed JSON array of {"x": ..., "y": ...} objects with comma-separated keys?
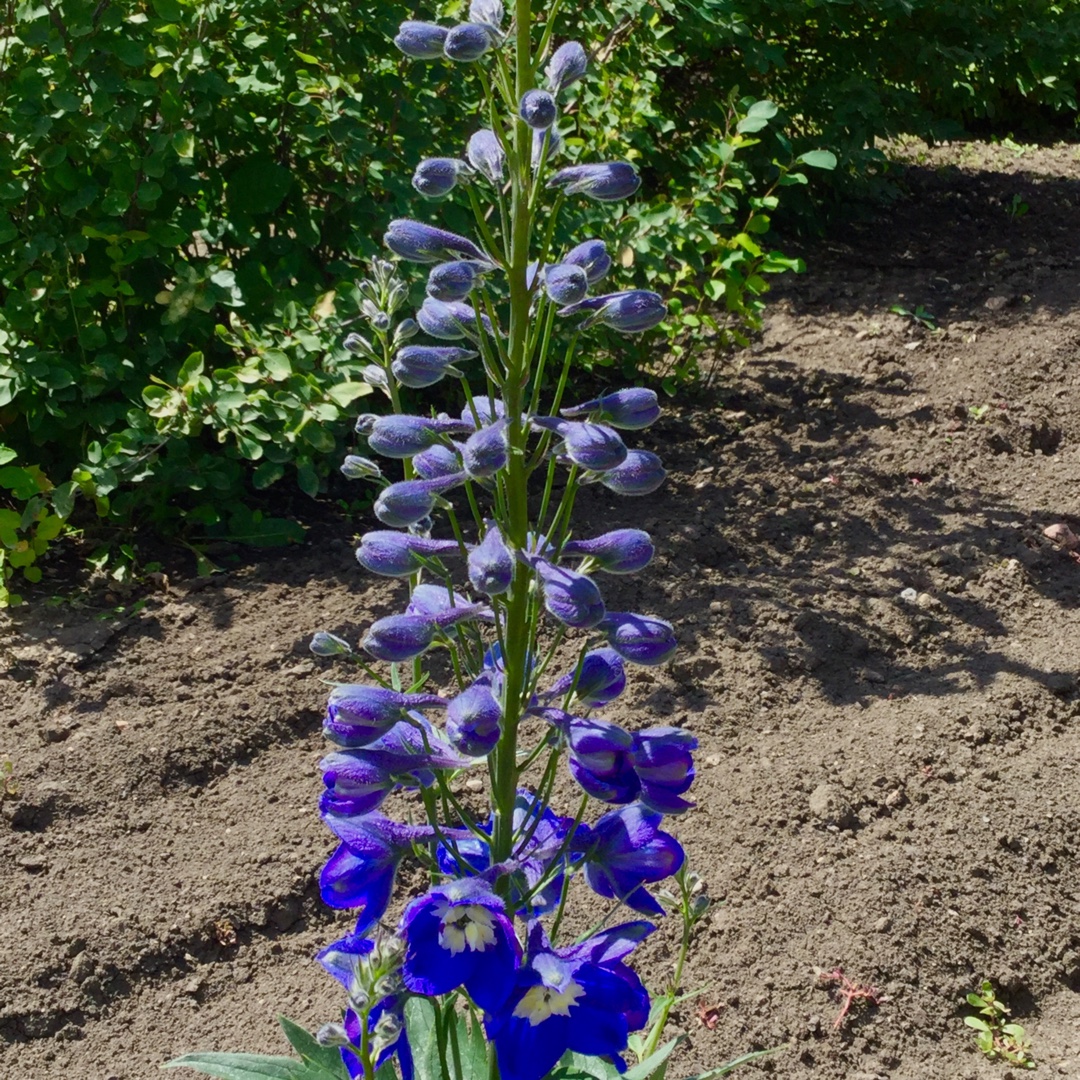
[
  {"x": 581, "y": 998},
  {"x": 396, "y": 554},
  {"x": 421, "y": 40},
  {"x": 631, "y": 409},
  {"x": 357, "y": 715},
  {"x": 632, "y": 311},
  {"x": 538, "y": 109},
  {"x": 458, "y": 934},
  {"x": 435, "y": 178},
  {"x": 419, "y": 366},
  {"x": 400, "y": 436},
  {"x": 600, "y": 760},
  {"x": 627, "y": 850},
  {"x": 486, "y": 155},
  {"x": 409, "y": 501},
  {"x": 567, "y": 64},
  {"x": 474, "y": 721},
  {"x": 621, "y": 551},
  {"x": 417, "y": 242},
  {"x": 598, "y": 680},
  {"x": 662, "y": 758},
  {"x": 592, "y": 257},
  {"x": 454, "y": 280},
  {"x": 565, "y": 283},
  {"x": 640, "y": 473},
  {"x": 491, "y": 564},
  {"x": 451, "y": 321},
  {"x": 610, "y": 181},
  {"x": 640, "y": 639},
  {"x": 467, "y": 42}
]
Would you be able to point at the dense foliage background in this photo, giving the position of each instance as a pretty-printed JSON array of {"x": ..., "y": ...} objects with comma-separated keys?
[{"x": 187, "y": 186}]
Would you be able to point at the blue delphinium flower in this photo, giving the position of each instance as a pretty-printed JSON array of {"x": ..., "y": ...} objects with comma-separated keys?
[
  {"x": 632, "y": 311},
  {"x": 639, "y": 638},
  {"x": 567, "y": 64},
  {"x": 434, "y": 601},
  {"x": 609, "y": 181},
  {"x": 491, "y": 564},
  {"x": 598, "y": 680},
  {"x": 402, "y": 637},
  {"x": 592, "y": 256},
  {"x": 357, "y": 715},
  {"x": 626, "y": 850},
  {"x": 565, "y": 283},
  {"x": 621, "y": 551},
  {"x": 600, "y": 759},
  {"x": 631, "y": 409},
  {"x": 458, "y": 934},
  {"x": 486, "y": 155},
  {"x": 417, "y": 242},
  {"x": 581, "y": 998},
  {"x": 409, "y": 501},
  {"x": 418, "y": 366},
  {"x": 538, "y": 109},
  {"x": 421, "y": 40},
  {"x": 591, "y": 446},
  {"x": 662, "y": 758},
  {"x": 435, "y": 178},
  {"x": 474, "y": 720},
  {"x": 396, "y": 554},
  {"x": 641, "y": 473},
  {"x": 467, "y": 42}
]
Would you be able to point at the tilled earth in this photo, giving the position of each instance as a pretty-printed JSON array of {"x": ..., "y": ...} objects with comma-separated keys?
[{"x": 880, "y": 658}]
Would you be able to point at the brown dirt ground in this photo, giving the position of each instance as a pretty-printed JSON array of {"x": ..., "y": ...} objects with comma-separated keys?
[{"x": 880, "y": 659}]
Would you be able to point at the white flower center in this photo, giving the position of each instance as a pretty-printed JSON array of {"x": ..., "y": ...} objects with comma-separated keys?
[
  {"x": 465, "y": 926},
  {"x": 540, "y": 1002}
]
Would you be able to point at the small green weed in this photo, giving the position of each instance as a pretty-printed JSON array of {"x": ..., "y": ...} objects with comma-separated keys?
[
  {"x": 9, "y": 786},
  {"x": 1017, "y": 208},
  {"x": 978, "y": 412},
  {"x": 919, "y": 315},
  {"x": 993, "y": 1036}
]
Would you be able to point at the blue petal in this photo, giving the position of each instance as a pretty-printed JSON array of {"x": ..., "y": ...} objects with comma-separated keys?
[{"x": 526, "y": 1052}]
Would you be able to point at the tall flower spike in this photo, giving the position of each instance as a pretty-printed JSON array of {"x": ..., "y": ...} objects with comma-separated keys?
[
  {"x": 421, "y": 40},
  {"x": 567, "y": 64},
  {"x": 437, "y": 177},
  {"x": 486, "y": 155},
  {"x": 417, "y": 242},
  {"x": 608, "y": 182}
]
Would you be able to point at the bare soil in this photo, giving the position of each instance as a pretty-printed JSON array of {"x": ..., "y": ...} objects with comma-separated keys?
[{"x": 880, "y": 657}]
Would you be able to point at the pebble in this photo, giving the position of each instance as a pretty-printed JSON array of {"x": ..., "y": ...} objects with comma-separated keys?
[
  {"x": 474, "y": 784},
  {"x": 909, "y": 596},
  {"x": 830, "y": 806}
]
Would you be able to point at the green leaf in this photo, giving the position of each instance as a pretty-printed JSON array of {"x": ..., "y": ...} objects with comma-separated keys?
[
  {"x": 420, "y": 1026},
  {"x": 325, "y": 1058},
  {"x": 7, "y": 454},
  {"x": 731, "y": 1066},
  {"x": 764, "y": 110},
  {"x": 644, "y": 1069},
  {"x": 819, "y": 159},
  {"x": 345, "y": 393},
  {"x": 190, "y": 370},
  {"x": 269, "y": 472},
  {"x": 244, "y": 1067},
  {"x": 258, "y": 186}
]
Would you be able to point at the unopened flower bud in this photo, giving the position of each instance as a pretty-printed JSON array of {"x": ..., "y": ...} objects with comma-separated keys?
[
  {"x": 486, "y": 451},
  {"x": 436, "y": 177},
  {"x": 486, "y": 156},
  {"x": 332, "y": 1035},
  {"x": 400, "y": 436},
  {"x": 622, "y": 551},
  {"x": 450, "y": 321},
  {"x": 538, "y": 109},
  {"x": 565, "y": 283},
  {"x": 356, "y": 343},
  {"x": 467, "y": 42},
  {"x": 491, "y": 565},
  {"x": 399, "y": 637},
  {"x": 639, "y": 638},
  {"x": 417, "y": 242},
  {"x": 359, "y": 468},
  {"x": 473, "y": 720},
  {"x": 607, "y": 182},
  {"x": 365, "y": 422},
  {"x": 546, "y": 145},
  {"x": 406, "y": 329},
  {"x": 453, "y": 280},
  {"x": 421, "y": 40},
  {"x": 592, "y": 257},
  {"x": 631, "y": 409},
  {"x": 641, "y": 473},
  {"x": 405, "y": 503},
  {"x": 417, "y": 366},
  {"x": 487, "y": 13},
  {"x": 326, "y": 644},
  {"x": 567, "y": 64}
]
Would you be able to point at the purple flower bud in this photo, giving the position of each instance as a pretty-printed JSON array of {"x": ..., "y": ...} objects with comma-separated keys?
[
  {"x": 630, "y": 312},
  {"x": 358, "y": 715},
  {"x": 607, "y": 182},
  {"x": 403, "y": 504},
  {"x": 356, "y": 343},
  {"x": 538, "y": 109},
  {"x": 417, "y": 242},
  {"x": 365, "y": 422},
  {"x": 662, "y": 759},
  {"x": 593, "y": 258},
  {"x": 324, "y": 644},
  {"x": 454, "y": 280},
  {"x": 399, "y": 637},
  {"x": 565, "y": 283},
  {"x": 491, "y": 565},
  {"x": 398, "y": 436},
  {"x": 445, "y": 607},
  {"x": 486, "y": 155},
  {"x": 450, "y": 321},
  {"x": 487, "y": 410},
  {"x": 486, "y": 451},
  {"x": 600, "y": 760},
  {"x": 631, "y": 409},
  {"x": 591, "y": 446},
  {"x": 417, "y": 366},
  {"x": 407, "y": 328},
  {"x": 622, "y": 551},
  {"x": 436, "y": 177},
  {"x": 547, "y": 143},
  {"x": 473, "y": 721},
  {"x": 570, "y": 597},
  {"x": 487, "y": 13},
  {"x": 602, "y": 678},
  {"x": 467, "y": 42},
  {"x": 395, "y": 554},
  {"x": 639, "y": 638},
  {"x": 359, "y": 468},
  {"x": 640, "y": 474},
  {"x": 355, "y": 785},
  {"x": 421, "y": 40},
  {"x": 437, "y": 462},
  {"x": 567, "y": 64}
]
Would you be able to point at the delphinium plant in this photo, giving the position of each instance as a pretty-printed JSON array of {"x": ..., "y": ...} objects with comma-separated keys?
[{"x": 480, "y": 978}]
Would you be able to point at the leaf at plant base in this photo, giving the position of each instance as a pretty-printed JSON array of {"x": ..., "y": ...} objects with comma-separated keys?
[
  {"x": 574, "y": 1066},
  {"x": 246, "y": 1067},
  {"x": 472, "y": 1046},
  {"x": 644, "y": 1069},
  {"x": 327, "y": 1058},
  {"x": 731, "y": 1066},
  {"x": 819, "y": 159},
  {"x": 420, "y": 1027},
  {"x": 976, "y": 1022}
]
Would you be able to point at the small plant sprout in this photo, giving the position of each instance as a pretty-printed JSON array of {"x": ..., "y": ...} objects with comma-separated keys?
[
  {"x": 849, "y": 992},
  {"x": 994, "y": 1035},
  {"x": 920, "y": 315},
  {"x": 1017, "y": 208},
  {"x": 9, "y": 786}
]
